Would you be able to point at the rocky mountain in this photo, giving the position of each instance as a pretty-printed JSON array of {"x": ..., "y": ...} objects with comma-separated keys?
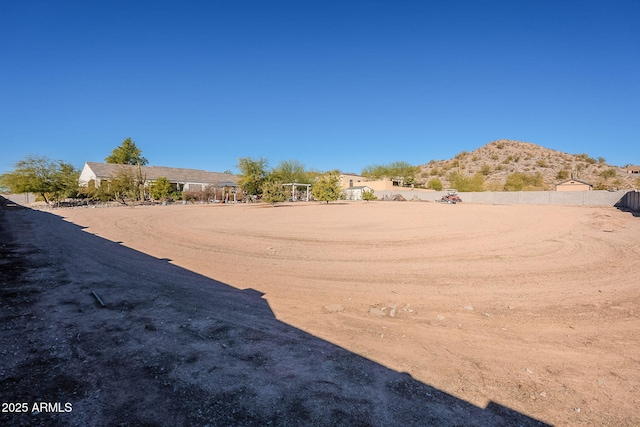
[{"x": 497, "y": 160}]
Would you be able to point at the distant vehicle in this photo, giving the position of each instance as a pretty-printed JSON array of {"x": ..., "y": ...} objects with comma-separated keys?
[{"x": 451, "y": 197}]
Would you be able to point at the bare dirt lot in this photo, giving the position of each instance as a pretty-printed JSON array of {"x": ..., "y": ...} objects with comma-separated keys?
[{"x": 382, "y": 313}]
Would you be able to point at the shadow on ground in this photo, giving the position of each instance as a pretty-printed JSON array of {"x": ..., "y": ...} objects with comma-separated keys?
[{"x": 172, "y": 347}]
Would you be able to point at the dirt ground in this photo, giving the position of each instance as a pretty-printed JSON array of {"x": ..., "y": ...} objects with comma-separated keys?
[{"x": 381, "y": 313}]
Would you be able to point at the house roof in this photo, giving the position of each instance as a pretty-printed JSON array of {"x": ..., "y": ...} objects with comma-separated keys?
[
  {"x": 573, "y": 180},
  {"x": 181, "y": 175}
]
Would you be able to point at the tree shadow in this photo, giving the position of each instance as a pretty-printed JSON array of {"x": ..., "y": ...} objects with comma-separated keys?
[{"x": 173, "y": 347}]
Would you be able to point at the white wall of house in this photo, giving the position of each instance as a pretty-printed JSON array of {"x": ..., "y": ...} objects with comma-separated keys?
[{"x": 86, "y": 175}]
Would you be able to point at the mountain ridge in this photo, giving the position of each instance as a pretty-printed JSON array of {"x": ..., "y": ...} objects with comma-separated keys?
[{"x": 498, "y": 159}]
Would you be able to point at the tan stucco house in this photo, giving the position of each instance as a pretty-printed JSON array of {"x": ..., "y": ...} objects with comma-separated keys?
[
  {"x": 573, "y": 185},
  {"x": 633, "y": 169}
]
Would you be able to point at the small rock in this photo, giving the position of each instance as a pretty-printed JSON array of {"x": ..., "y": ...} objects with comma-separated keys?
[
  {"x": 440, "y": 317},
  {"x": 577, "y": 410},
  {"x": 468, "y": 308},
  {"x": 529, "y": 371},
  {"x": 334, "y": 308},
  {"x": 377, "y": 312},
  {"x": 510, "y": 307},
  {"x": 543, "y": 394},
  {"x": 392, "y": 313},
  {"x": 487, "y": 315}
]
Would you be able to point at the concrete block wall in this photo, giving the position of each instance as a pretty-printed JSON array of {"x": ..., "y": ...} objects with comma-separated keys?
[
  {"x": 630, "y": 200},
  {"x": 567, "y": 198}
]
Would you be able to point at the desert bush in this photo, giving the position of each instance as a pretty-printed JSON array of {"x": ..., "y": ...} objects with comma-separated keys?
[
  {"x": 485, "y": 169},
  {"x": 542, "y": 163},
  {"x": 500, "y": 145},
  {"x": 273, "y": 192},
  {"x": 467, "y": 183},
  {"x": 562, "y": 174},
  {"x": 368, "y": 195},
  {"x": 608, "y": 173},
  {"x": 435, "y": 184},
  {"x": 519, "y": 181}
]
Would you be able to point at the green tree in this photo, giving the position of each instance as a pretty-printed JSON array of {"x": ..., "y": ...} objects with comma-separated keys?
[
  {"x": 253, "y": 174},
  {"x": 160, "y": 189},
  {"x": 327, "y": 187},
  {"x": 53, "y": 180},
  {"x": 290, "y": 171},
  {"x": 127, "y": 153},
  {"x": 368, "y": 195},
  {"x": 273, "y": 192},
  {"x": 401, "y": 171},
  {"x": 122, "y": 186}
]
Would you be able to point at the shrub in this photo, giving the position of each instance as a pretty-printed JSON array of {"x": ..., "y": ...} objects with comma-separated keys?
[
  {"x": 368, "y": 195},
  {"x": 466, "y": 183},
  {"x": 435, "y": 184},
  {"x": 519, "y": 181},
  {"x": 608, "y": 173},
  {"x": 563, "y": 174}
]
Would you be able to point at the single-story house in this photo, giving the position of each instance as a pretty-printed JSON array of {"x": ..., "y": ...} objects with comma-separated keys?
[
  {"x": 182, "y": 179},
  {"x": 633, "y": 169},
  {"x": 355, "y": 192},
  {"x": 573, "y": 185},
  {"x": 351, "y": 180}
]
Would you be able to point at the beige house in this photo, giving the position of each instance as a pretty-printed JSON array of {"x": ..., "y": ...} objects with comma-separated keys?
[
  {"x": 351, "y": 180},
  {"x": 182, "y": 179},
  {"x": 573, "y": 185},
  {"x": 633, "y": 169}
]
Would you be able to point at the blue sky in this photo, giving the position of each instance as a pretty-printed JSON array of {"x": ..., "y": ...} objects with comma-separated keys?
[{"x": 332, "y": 84}]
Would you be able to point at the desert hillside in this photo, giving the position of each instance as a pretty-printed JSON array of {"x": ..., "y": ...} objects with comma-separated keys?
[{"x": 499, "y": 159}]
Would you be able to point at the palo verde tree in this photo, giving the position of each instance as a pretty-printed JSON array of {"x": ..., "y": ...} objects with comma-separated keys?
[
  {"x": 122, "y": 185},
  {"x": 127, "y": 153},
  {"x": 467, "y": 183},
  {"x": 53, "y": 180},
  {"x": 290, "y": 171},
  {"x": 273, "y": 192},
  {"x": 253, "y": 174},
  {"x": 161, "y": 189},
  {"x": 327, "y": 187},
  {"x": 368, "y": 195},
  {"x": 401, "y": 171}
]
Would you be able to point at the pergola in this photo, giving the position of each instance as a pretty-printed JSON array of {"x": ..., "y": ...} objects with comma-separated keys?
[{"x": 295, "y": 185}]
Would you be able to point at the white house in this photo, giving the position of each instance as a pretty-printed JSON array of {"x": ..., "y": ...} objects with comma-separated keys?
[
  {"x": 182, "y": 179},
  {"x": 355, "y": 192}
]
